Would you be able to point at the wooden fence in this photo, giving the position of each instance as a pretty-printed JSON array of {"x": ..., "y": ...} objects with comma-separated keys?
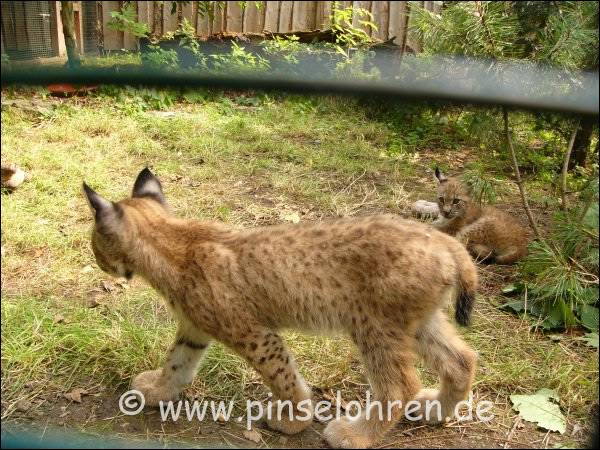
[{"x": 391, "y": 18}]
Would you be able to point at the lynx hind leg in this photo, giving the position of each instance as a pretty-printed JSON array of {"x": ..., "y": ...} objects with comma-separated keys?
[
  {"x": 394, "y": 381},
  {"x": 179, "y": 369},
  {"x": 511, "y": 255},
  {"x": 475, "y": 237},
  {"x": 267, "y": 353},
  {"x": 449, "y": 356}
]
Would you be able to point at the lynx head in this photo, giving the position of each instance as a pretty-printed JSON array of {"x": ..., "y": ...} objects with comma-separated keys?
[
  {"x": 453, "y": 198},
  {"x": 115, "y": 223}
]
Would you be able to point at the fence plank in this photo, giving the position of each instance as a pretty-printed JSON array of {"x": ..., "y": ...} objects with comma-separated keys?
[
  {"x": 254, "y": 18},
  {"x": 411, "y": 41},
  {"x": 357, "y": 17},
  {"x": 204, "y": 26},
  {"x": 272, "y": 16},
  {"x": 187, "y": 13},
  {"x": 398, "y": 22},
  {"x": 304, "y": 16},
  {"x": 169, "y": 20},
  {"x": 218, "y": 22},
  {"x": 323, "y": 19},
  {"x": 235, "y": 18},
  {"x": 381, "y": 18},
  {"x": 112, "y": 40},
  {"x": 145, "y": 13},
  {"x": 286, "y": 12}
]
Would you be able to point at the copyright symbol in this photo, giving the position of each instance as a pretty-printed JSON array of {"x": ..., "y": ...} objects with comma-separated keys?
[{"x": 131, "y": 402}]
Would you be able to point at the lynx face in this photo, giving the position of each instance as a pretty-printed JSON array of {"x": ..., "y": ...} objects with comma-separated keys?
[
  {"x": 453, "y": 199},
  {"x": 111, "y": 235}
]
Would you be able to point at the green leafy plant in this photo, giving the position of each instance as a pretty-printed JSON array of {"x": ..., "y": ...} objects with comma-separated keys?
[
  {"x": 561, "y": 273},
  {"x": 482, "y": 188},
  {"x": 126, "y": 20},
  {"x": 157, "y": 57},
  {"x": 347, "y": 35},
  {"x": 238, "y": 60}
]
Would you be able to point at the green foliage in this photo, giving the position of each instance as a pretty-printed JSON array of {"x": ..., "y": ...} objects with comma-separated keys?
[
  {"x": 484, "y": 29},
  {"x": 482, "y": 188},
  {"x": 561, "y": 272},
  {"x": 126, "y": 20},
  {"x": 133, "y": 101},
  {"x": 288, "y": 47},
  {"x": 561, "y": 33},
  {"x": 347, "y": 35},
  {"x": 238, "y": 60},
  {"x": 157, "y": 57}
]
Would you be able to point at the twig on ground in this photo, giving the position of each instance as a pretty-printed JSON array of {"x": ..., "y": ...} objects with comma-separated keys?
[
  {"x": 565, "y": 168},
  {"x": 520, "y": 184}
]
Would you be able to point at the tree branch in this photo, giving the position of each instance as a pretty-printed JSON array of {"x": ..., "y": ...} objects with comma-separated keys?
[
  {"x": 509, "y": 143},
  {"x": 565, "y": 168}
]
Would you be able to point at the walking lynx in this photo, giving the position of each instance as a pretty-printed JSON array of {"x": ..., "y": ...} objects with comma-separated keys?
[
  {"x": 488, "y": 233},
  {"x": 382, "y": 280}
]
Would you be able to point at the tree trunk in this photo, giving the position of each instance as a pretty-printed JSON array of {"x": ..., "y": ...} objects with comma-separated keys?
[
  {"x": 66, "y": 15},
  {"x": 582, "y": 143}
]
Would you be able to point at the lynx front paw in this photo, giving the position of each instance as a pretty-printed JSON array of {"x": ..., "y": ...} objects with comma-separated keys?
[
  {"x": 346, "y": 433},
  {"x": 431, "y": 410},
  {"x": 300, "y": 419},
  {"x": 154, "y": 388}
]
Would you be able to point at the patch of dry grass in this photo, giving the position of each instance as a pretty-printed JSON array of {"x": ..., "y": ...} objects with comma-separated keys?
[{"x": 245, "y": 166}]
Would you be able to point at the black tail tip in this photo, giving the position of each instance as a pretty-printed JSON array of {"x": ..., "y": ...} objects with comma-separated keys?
[{"x": 464, "y": 307}]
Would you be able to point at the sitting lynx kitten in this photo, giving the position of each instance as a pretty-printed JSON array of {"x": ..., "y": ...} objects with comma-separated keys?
[
  {"x": 488, "y": 233},
  {"x": 382, "y": 280}
]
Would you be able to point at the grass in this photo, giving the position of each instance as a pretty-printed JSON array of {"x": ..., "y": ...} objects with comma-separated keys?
[{"x": 246, "y": 165}]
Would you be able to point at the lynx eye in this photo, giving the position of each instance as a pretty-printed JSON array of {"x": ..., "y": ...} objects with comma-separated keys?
[{"x": 456, "y": 201}]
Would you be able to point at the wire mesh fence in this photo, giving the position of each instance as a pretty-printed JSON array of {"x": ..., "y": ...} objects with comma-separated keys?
[
  {"x": 89, "y": 25},
  {"x": 29, "y": 29}
]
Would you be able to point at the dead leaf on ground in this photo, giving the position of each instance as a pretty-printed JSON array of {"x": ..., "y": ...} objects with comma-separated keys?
[
  {"x": 87, "y": 269},
  {"x": 75, "y": 395},
  {"x": 252, "y": 435}
]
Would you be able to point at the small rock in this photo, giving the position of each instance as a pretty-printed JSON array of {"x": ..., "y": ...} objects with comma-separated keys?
[
  {"x": 108, "y": 286},
  {"x": 23, "y": 405},
  {"x": 75, "y": 395},
  {"x": 252, "y": 435}
]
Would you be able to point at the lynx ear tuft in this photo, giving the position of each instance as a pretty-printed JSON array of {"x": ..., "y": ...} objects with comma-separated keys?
[
  {"x": 97, "y": 203},
  {"x": 147, "y": 185},
  {"x": 440, "y": 175}
]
